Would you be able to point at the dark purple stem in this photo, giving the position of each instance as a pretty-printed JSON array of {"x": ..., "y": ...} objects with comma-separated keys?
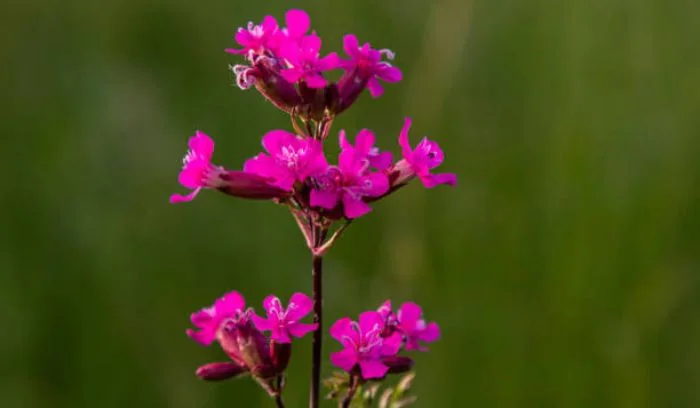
[
  {"x": 317, "y": 293},
  {"x": 354, "y": 382},
  {"x": 279, "y": 402}
]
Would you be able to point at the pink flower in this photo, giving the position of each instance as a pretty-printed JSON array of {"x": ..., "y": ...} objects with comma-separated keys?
[
  {"x": 414, "y": 328},
  {"x": 298, "y": 24},
  {"x": 364, "y": 149},
  {"x": 304, "y": 63},
  {"x": 255, "y": 39},
  {"x": 284, "y": 323},
  {"x": 419, "y": 161},
  {"x": 351, "y": 181},
  {"x": 197, "y": 172},
  {"x": 367, "y": 63},
  {"x": 363, "y": 345},
  {"x": 209, "y": 319},
  {"x": 291, "y": 158}
]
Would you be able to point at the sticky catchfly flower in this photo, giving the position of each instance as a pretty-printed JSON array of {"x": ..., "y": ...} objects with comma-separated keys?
[
  {"x": 304, "y": 62},
  {"x": 366, "y": 64},
  {"x": 209, "y": 319},
  {"x": 284, "y": 323},
  {"x": 255, "y": 39},
  {"x": 363, "y": 345},
  {"x": 414, "y": 327},
  {"x": 419, "y": 161},
  {"x": 351, "y": 181},
  {"x": 365, "y": 151},
  {"x": 290, "y": 158}
]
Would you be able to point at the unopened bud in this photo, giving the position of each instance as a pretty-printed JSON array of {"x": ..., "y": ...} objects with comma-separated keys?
[
  {"x": 280, "y": 354},
  {"x": 350, "y": 86},
  {"x": 398, "y": 364},
  {"x": 247, "y": 185},
  {"x": 273, "y": 86},
  {"x": 220, "y": 371}
]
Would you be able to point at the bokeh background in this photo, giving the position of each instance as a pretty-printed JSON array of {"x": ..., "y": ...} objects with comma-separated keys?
[{"x": 563, "y": 269}]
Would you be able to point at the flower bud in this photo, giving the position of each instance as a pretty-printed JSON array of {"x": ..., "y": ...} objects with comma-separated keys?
[
  {"x": 350, "y": 86},
  {"x": 220, "y": 371},
  {"x": 398, "y": 364},
  {"x": 273, "y": 86},
  {"x": 280, "y": 354},
  {"x": 247, "y": 185}
]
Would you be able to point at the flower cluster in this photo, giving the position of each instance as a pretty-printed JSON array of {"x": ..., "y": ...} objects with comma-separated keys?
[
  {"x": 285, "y": 64},
  {"x": 323, "y": 194},
  {"x": 295, "y": 167},
  {"x": 239, "y": 333},
  {"x": 371, "y": 345}
]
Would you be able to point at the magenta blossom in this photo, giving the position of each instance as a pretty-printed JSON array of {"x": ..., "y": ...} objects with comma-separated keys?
[
  {"x": 291, "y": 158},
  {"x": 419, "y": 161},
  {"x": 414, "y": 328},
  {"x": 351, "y": 181},
  {"x": 209, "y": 319},
  {"x": 304, "y": 63},
  {"x": 255, "y": 39},
  {"x": 368, "y": 64},
  {"x": 284, "y": 323},
  {"x": 197, "y": 172},
  {"x": 364, "y": 150},
  {"x": 298, "y": 24},
  {"x": 363, "y": 345}
]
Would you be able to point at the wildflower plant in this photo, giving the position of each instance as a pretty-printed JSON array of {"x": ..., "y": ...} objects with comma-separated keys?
[{"x": 284, "y": 63}]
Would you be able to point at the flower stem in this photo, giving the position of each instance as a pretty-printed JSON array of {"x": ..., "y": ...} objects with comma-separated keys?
[
  {"x": 354, "y": 382},
  {"x": 317, "y": 293},
  {"x": 279, "y": 402}
]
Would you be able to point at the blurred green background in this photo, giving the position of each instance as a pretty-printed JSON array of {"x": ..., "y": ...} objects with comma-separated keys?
[{"x": 563, "y": 269}]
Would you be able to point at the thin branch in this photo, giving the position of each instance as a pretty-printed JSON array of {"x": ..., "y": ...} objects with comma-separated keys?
[{"x": 320, "y": 251}]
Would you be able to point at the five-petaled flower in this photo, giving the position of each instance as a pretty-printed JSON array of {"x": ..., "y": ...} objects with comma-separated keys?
[
  {"x": 209, "y": 319},
  {"x": 197, "y": 171},
  {"x": 291, "y": 158},
  {"x": 303, "y": 61},
  {"x": 419, "y": 161},
  {"x": 411, "y": 324},
  {"x": 351, "y": 181},
  {"x": 284, "y": 323},
  {"x": 363, "y": 345},
  {"x": 367, "y": 64}
]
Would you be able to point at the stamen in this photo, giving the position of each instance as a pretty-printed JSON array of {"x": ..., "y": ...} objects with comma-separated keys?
[{"x": 389, "y": 54}]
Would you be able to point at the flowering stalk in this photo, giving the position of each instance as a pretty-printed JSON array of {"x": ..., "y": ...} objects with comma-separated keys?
[{"x": 285, "y": 65}]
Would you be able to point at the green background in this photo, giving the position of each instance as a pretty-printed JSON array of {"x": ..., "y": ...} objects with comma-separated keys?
[{"x": 563, "y": 269}]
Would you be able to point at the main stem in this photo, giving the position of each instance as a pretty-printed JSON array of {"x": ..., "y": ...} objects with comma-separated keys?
[{"x": 317, "y": 293}]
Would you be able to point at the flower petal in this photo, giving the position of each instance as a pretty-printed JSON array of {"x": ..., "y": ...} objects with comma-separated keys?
[
  {"x": 229, "y": 304},
  {"x": 390, "y": 74},
  {"x": 373, "y": 369},
  {"x": 409, "y": 314},
  {"x": 298, "y": 23},
  {"x": 300, "y": 305},
  {"x": 369, "y": 321},
  {"x": 344, "y": 359},
  {"x": 432, "y": 180},
  {"x": 351, "y": 45},
  {"x": 406, "y": 150},
  {"x": 354, "y": 208},
  {"x": 301, "y": 329},
  {"x": 202, "y": 145},
  {"x": 261, "y": 323},
  {"x": 315, "y": 81},
  {"x": 341, "y": 328},
  {"x": 324, "y": 199},
  {"x": 177, "y": 198},
  {"x": 431, "y": 333},
  {"x": 375, "y": 88}
]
